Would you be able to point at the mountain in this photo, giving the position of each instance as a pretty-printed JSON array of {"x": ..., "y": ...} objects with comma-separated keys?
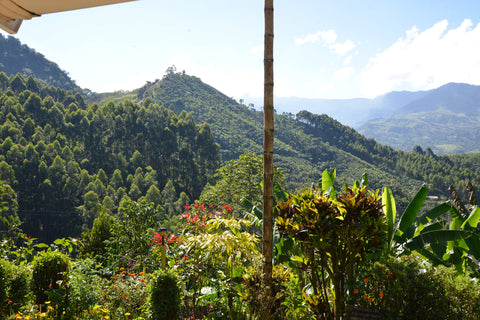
[
  {"x": 445, "y": 119},
  {"x": 351, "y": 112},
  {"x": 66, "y": 155},
  {"x": 16, "y": 57},
  {"x": 306, "y": 143}
]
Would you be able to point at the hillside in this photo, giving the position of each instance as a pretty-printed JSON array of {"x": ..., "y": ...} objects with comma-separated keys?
[
  {"x": 19, "y": 58},
  {"x": 306, "y": 143},
  {"x": 65, "y": 160},
  {"x": 67, "y": 155},
  {"x": 445, "y": 119}
]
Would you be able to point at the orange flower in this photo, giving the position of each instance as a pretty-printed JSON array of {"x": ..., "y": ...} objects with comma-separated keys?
[
  {"x": 355, "y": 291},
  {"x": 123, "y": 297},
  {"x": 365, "y": 296},
  {"x": 389, "y": 274},
  {"x": 365, "y": 280},
  {"x": 373, "y": 290},
  {"x": 370, "y": 300},
  {"x": 122, "y": 268},
  {"x": 141, "y": 273},
  {"x": 124, "y": 272},
  {"x": 381, "y": 294}
]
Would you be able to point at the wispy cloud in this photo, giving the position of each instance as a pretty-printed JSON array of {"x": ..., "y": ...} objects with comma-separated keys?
[
  {"x": 426, "y": 60},
  {"x": 329, "y": 36},
  {"x": 329, "y": 39},
  {"x": 342, "y": 48},
  {"x": 344, "y": 73}
]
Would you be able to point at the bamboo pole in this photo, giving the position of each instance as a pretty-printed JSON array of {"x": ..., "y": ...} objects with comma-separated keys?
[{"x": 267, "y": 244}]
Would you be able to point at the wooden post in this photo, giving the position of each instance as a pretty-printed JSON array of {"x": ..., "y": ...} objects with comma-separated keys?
[
  {"x": 163, "y": 233},
  {"x": 267, "y": 244}
]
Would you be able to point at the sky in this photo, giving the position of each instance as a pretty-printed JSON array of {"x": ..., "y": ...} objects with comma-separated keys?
[{"x": 322, "y": 48}]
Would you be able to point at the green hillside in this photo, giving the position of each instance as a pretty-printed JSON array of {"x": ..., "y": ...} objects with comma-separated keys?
[
  {"x": 66, "y": 160},
  {"x": 19, "y": 58},
  {"x": 306, "y": 144},
  {"x": 66, "y": 156}
]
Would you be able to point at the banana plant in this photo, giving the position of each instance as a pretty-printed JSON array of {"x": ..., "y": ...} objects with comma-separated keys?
[{"x": 457, "y": 243}]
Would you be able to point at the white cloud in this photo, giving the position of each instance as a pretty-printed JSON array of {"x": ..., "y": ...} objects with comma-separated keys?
[
  {"x": 257, "y": 49},
  {"x": 426, "y": 60},
  {"x": 342, "y": 48},
  {"x": 344, "y": 73},
  {"x": 347, "y": 60},
  {"x": 329, "y": 37}
]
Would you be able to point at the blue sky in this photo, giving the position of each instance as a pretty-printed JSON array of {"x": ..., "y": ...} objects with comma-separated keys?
[{"x": 323, "y": 49}]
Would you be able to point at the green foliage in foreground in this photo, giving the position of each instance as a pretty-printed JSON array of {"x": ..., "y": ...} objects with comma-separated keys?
[{"x": 164, "y": 295}]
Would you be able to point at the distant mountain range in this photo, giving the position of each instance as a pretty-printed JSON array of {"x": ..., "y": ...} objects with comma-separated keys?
[{"x": 445, "y": 119}]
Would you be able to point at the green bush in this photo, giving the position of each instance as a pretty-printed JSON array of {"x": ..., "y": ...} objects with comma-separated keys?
[
  {"x": 50, "y": 274},
  {"x": 3, "y": 285},
  {"x": 164, "y": 295},
  {"x": 407, "y": 289},
  {"x": 14, "y": 286}
]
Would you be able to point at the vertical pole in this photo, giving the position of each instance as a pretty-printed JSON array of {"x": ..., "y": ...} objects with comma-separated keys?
[
  {"x": 163, "y": 234},
  {"x": 267, "y": 245}
]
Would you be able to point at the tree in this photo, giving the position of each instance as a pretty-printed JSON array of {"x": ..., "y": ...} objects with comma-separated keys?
[
  {"x": 169, "y": 195},
  {"x": 238, "y": 179}
]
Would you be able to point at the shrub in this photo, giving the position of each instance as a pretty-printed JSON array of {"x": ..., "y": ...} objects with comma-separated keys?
[
  {"x": 50, "y": 274},
  {"x": 17, "y": 283},
  {"x": 405, "y": 289},
  {"x": 164, "y": 295},
  {"x": 333, "y": 234},
  {"x": 282, "y": 298},
  {"x": 3, "y": 285}
]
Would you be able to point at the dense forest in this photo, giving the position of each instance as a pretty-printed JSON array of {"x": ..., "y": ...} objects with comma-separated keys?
[
  {"x": 66, "y": 154},
  {"x": 66, "y": 160},
  {"x": 306, "y": 143}
]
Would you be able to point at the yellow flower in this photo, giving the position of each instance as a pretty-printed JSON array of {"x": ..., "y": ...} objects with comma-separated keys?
[
  {"x": 127, "y": 314},
  {"x": 43, "y": 314}
]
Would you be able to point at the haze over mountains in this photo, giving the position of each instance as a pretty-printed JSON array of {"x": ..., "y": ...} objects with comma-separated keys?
[{"x": 445, "y": 119}]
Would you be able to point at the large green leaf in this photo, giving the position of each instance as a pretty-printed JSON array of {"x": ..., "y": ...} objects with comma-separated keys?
[
  {"x": 473, "y": 243},
  {"x": 328, "y": 182},
  {"x": 473, "y": 218},
  {"x": 436, "y": 236},
  {"x": 408, "y": 217},
  {"x": 434, "y": 213},
  {"x": 390, "y": 212}
]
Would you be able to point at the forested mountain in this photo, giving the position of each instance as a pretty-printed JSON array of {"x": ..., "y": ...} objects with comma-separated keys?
[
  {"x": 65, "y": 155},
  {"x": 19, "y": 58},
  {"x": 306, "y": 143},
  {"x": 66, "y": 160},
  {"x": 445, "y": 119}
]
